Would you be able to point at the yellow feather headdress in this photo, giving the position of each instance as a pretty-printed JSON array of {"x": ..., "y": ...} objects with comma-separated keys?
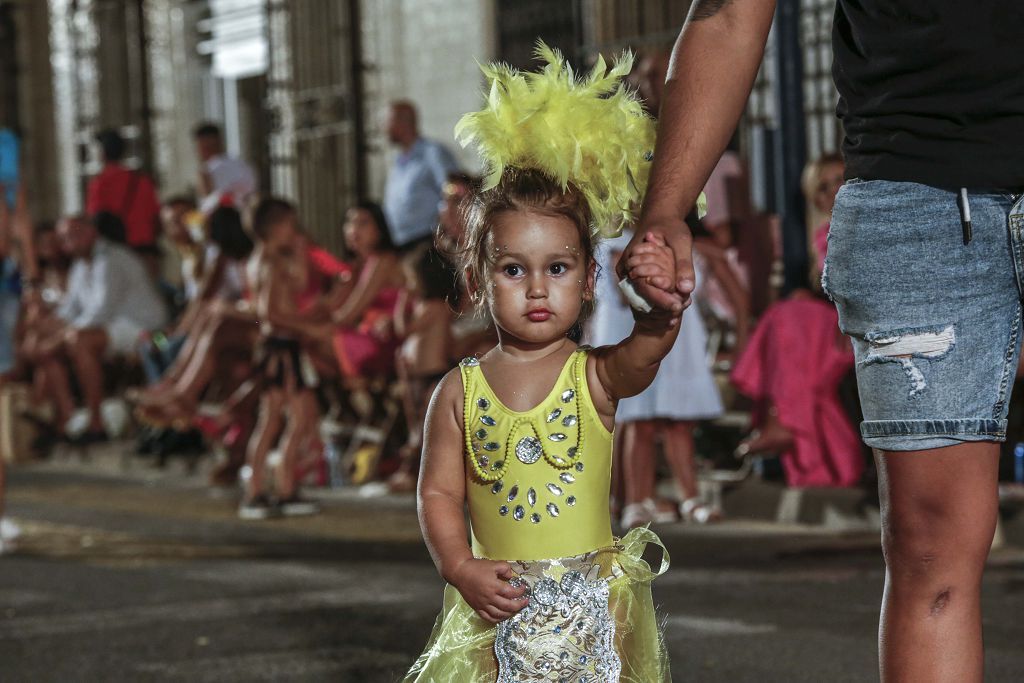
[{"x": 591, "y": 132}]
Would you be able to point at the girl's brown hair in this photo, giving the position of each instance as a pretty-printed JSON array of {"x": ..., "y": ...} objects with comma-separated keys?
[{"x": 521, "y": 190}]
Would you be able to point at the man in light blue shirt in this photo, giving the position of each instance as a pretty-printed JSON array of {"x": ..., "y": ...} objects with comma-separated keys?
[{"x": 413, "y": 190}]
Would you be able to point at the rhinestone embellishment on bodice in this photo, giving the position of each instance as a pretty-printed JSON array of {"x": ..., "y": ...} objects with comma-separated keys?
[{"x": 486, "y": 426}]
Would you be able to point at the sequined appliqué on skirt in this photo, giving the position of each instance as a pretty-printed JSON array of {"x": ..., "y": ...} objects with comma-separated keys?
[{"x": 590, "y": 619}]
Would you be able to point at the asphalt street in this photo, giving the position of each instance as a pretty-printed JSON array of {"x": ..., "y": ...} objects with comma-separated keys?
[{"x": 136, "y": 575}]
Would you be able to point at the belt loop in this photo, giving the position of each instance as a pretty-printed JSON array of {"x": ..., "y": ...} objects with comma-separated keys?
[{"x": 965, "y": 215}]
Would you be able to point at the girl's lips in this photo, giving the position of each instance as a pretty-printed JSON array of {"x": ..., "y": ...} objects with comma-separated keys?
[{"x": 539, "y": 315}]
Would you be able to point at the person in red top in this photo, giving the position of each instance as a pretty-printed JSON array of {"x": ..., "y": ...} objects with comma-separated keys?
[{"x": 126, "y": 193}]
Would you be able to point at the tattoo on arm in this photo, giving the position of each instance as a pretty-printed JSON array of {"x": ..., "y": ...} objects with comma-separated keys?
[{"x": 705, "y": 9}]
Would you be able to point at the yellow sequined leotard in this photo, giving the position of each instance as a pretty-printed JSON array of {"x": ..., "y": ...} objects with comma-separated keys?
[{"x": 537, "y": 485}]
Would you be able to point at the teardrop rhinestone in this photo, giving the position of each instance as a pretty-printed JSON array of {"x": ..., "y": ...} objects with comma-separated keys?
[
  {"x": 557, "y": 436},
  {"x": 567, "y": 478},
  {"x": 531, "y": 497},
  {"x": 503, "y": 510},
  {"x": 535, "y": 518},
  {"x": 481, "y": 434},
  {"x": 579, "y": 467},
  {"x": 513, "y": 492},
  {"x": 498, "y": 486},
  {"x": 571, "y": 452},
  {"x": 569, "y": 420},
  {"x": 518, "y": 513},
  {"x": 552, "y": 509},
  {"x": 491, "y": 446},
  {"x": 555, "y": 414},
  {"x": 568, "y": 395},
  {"x": 555, "y": 489},
  {"x": 498, "y": 465},
  {"x": 483, "y": 403},
  {"x": 488, "y": 420},
  {"x": 571, "y": 500}
]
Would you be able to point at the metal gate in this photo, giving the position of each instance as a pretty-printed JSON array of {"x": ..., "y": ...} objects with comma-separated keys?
[{"x": 313, "y": 99}]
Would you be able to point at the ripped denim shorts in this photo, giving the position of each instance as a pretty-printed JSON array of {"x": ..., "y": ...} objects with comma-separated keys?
[{"x": 935, "y": 323}]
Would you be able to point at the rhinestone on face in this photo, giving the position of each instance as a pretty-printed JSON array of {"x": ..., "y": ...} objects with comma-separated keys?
[
  {"x": 568, "y": 395},
  {"x": 552, "y": 509},
  {"x": 570, "y": 501},
  {"x": 488, "y": 420},
  {"x": 535, "y": 518},
  {"x": 554, "y": 414},
  {"x": 483, "y": 403},
  {"x": 513, "y": 492},
  {"x": 498, "y": 486},
  {"x": 529, "y": 450},
  {"x": 557, "y": 436},
  {"x": 531, "y": 497},
  {"x": 518, "y": 513},
  {"x": 491, "y": 446},
  {"x": 567, "y": 478},
  {"x": 579, "y": 467},
  {"x": 503, "y": 510},
  {"x": 555, "y": 489},
  {"x": 481, "y": 434},
  {"x": 569, "y": 420}
]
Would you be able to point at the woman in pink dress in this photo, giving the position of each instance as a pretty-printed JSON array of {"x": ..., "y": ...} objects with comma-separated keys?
[{"x": 793, "y": 365}]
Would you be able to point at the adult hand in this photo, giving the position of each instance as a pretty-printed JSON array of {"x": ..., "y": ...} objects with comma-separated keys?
[{"x": 672, "y": 297}]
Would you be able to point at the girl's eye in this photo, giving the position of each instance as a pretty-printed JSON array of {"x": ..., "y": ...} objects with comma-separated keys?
[
  {"x": 558, "y": 268},
  {"x": 513, "y": 270}
]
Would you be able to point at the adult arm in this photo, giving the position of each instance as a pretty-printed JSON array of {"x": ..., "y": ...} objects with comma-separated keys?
[
  {"x": 714, "y": 62},
  {"x": 105, "y": 286}
]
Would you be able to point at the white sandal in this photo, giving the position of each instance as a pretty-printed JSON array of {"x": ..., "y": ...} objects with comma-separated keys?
[{"x": 696, "y": 511}]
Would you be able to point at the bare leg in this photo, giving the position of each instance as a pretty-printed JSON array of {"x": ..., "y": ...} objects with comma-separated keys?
[
  {"x": 677, "y": 440},
  {"x": 939, "y": 512},
  {"x": 268, "y": 429},
  {"x": 302, "y": 416},
  {"x": 638, "y": 461},
  {"x": 59, "y": 387},
  {"x": 86, "y": 348}
]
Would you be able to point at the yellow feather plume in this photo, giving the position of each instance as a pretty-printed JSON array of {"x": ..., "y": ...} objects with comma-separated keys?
[{"x": 591, "y": 132}]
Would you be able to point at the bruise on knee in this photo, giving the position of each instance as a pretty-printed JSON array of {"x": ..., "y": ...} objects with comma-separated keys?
[{"x": 905, "y": 347}]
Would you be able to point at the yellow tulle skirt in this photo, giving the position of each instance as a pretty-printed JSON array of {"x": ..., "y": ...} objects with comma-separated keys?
[{"x": 590, "y": 619}]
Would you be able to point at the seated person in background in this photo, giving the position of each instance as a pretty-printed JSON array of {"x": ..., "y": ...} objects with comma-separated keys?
[
  {"x": 225, "y": 255},
  {"x": 363, "y": 322},
  {"x": 473, "y": 334},
  {"x": 110, "y": 302},
  {"x": 425, "y": 327},
  {"x": 793, "y": 367}
]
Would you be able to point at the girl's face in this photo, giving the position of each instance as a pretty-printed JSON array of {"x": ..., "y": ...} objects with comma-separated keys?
[
  {"x": 830, "y": 179},
  {"x": 539, "y": 276},
  {"x": 361, "y": 232}
]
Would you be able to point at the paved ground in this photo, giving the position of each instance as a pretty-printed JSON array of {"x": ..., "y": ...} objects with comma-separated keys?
[{"x": 135, "y": 576}]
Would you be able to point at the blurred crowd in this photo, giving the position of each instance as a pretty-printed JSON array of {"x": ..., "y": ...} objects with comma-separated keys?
[{"x": 214, "y": 323}]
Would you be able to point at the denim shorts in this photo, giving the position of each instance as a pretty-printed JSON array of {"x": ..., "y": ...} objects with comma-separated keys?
[{"x": 935, "y": 323}]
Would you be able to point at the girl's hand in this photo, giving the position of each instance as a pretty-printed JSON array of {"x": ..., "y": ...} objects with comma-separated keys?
[
  {"x": 652, "y": 263},
  {"x": 484, "y": 586}
]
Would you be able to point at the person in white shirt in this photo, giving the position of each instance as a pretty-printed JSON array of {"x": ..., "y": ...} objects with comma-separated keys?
[
  {"x": 110, "y": 302},
  {"x": 223, "y": 179}
]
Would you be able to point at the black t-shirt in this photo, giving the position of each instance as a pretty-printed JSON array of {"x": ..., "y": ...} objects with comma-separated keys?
[{"x": 932, "y": 91}]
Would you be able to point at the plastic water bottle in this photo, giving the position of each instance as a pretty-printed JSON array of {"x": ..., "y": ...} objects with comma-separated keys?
[{"x": 1018, "y": 462}]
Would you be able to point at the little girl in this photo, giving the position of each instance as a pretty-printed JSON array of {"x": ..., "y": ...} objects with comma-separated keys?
[{"x": 523, "y": 434}]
